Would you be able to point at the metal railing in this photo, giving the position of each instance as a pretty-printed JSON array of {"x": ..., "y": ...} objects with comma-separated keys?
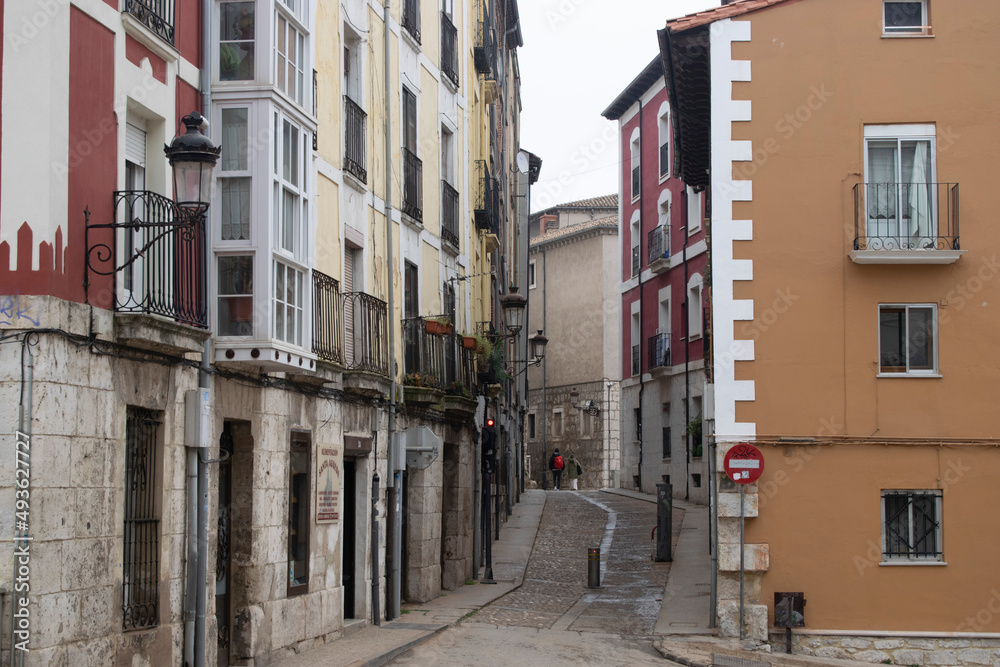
[
  {"x": 413, "y": 186},
  {"x": 906, "y": 216},
  {"x": 369, "y": 334},
  {"x": 636, "y": 360},
  {"x": 411, "y": 18},
  {"x": 665, "y": 158},
  {"x": 635, "y": 181},
  {"x": 484, "y": 51},
  {"x": 423, "y": 352},
  {"x": 449, "y": 213},
  {"x": 636, "y": 264},
  {"x": 157, "y": 258},
  {"x": 449, "y": 49},
  {"x": 659, "y": 351},
  {"x": 157, "y": 15},
  {"x": 328, "y": 318},
  {"x": 486, "y": 207},
  {"x": 658, "y": 243},
  {"x": 354, "y": 139},
  {"x": 141, "y": 538}
]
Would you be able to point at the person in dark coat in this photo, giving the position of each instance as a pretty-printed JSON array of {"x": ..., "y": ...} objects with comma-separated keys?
[{"x": 556, "y": 465}]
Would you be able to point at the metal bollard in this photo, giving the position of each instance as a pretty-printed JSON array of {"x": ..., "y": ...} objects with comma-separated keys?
[{"x": 594, "y": 568}]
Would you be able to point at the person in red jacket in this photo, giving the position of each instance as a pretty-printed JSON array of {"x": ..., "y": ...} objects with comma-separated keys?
[{"x": 556, "y": 465}]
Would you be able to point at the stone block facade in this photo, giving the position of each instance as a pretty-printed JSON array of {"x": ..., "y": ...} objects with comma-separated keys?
[{"x": 965, "y": 651}]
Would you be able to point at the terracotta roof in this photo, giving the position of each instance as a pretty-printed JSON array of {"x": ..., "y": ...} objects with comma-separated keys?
[
  {"x": 737, "y": 8},
  {"x": 604, "y": 201},
  {"x": 562, "y": 232}
]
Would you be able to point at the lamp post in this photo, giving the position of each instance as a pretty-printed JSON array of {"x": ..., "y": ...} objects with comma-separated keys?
[{"x": 192, "y": 158}]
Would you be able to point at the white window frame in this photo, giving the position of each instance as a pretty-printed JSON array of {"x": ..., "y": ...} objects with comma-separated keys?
[
  {"x": 217, "y": 64},
  {"x": 635, "y": 162},
  {"x": 664, "y": 134},
  {"x": 245, "y": 173},
  {"x": 936, "y": 558},
  {"x": 635, "y": 241},
  {"x": 558, "y": 424},
  {"x": 694, "y": 299},
  {"x": 696, "y": 210},
  {"x": 291, "y": 331},
  {"x": 899, "y": 134},
  {"x": 290, "y": 176},
  {"x": 906, "y": 31},
  {"x": 283, "y": 62},
  {"x": 932, "y": 372},
  {"x": 229, "y": 298}
]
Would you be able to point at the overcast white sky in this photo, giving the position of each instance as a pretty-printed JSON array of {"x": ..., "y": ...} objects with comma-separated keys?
[{"x": 578, "y": 55}]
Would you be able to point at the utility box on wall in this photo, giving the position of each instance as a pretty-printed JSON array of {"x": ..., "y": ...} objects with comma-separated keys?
[{"x": 789, "y": 610}]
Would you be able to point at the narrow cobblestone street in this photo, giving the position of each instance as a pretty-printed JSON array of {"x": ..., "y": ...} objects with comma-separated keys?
[
  {"x": 555, "y": 593},
  {"x": 569, "y": 620}
]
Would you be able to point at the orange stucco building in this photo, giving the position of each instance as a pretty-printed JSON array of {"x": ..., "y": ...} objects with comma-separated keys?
[{"x": 853, "y": 319}]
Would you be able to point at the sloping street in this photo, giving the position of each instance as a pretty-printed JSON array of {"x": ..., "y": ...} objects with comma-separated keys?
[{"x": 553, "y": 617}]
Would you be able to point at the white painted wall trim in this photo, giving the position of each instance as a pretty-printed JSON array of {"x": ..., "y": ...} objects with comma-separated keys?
[{"x": 726, "y": 269}]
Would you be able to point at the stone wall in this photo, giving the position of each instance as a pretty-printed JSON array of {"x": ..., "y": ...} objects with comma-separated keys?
[
  {"x": 81, "y": 394},
  {"x": 895, "y": 650}
]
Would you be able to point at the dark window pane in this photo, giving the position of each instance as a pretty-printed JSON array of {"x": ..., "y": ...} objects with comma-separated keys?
[
  {"x": 892, "y": 327},
  {"x": 921, "y": 339}
]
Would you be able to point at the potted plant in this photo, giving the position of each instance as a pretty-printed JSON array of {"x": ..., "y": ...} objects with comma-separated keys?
[
  {"x": 470, "y": 342},
  {"x": 441, "y": 326}
]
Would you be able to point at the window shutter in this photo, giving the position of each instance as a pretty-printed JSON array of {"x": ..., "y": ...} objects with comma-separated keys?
[{"x": 135, "y": 145}]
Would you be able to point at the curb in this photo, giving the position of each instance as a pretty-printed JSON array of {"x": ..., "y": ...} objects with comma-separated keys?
[{"x": 680, "y": 659}]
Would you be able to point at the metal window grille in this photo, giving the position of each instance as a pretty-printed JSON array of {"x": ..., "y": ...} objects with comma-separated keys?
[
  {"x": 328, "y": 318},
  {"x": 449, "y": 215},
  {"x": 911, "y": 526},
  {"x": 141, "y": 556},
  {"x": 636, "y": 369},
  {"x": 664, "y": 158},
  {"x": 413, "y": 186},
  {"x": 635, "y": 182},
  {"x": 354, "y": 139},
  {"x": 449, "y": 52},
  {"x": 411, "y": 18}
]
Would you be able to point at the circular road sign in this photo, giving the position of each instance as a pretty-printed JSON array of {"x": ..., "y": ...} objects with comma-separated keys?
[{"x": 744, "y": 463}]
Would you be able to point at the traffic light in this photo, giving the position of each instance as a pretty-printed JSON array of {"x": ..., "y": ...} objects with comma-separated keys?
[{"x": 489, "y": 445}]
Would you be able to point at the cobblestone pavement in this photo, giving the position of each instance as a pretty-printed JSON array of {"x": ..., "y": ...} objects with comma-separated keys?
[{"x": 555, "y": 594}]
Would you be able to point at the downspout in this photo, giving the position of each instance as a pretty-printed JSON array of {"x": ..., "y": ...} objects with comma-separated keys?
[
  {"x": 394, "y": 547},
  {"x": 545, "y": 415},
  {"x": 642, "y": 384},
  {"x": 24, "y": 430},
  {"x": 195, "y": 598},
  {"x": 687, "y": 351}
]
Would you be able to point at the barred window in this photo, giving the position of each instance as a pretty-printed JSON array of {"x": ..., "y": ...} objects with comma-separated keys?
[
  {"x": 141, "y": 555},
  {"x": 911, "y": 526}
]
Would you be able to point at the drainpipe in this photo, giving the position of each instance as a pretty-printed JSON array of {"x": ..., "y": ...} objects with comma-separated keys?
[
  {"x": 395, "y": 535},
  {"x": 24, "y": 429},
  {"x": 687, "y": 351},
  {"x": 545, "y": 415},
  {"x": 642, "y": 384},
  {"x": 196, "y": 471}
]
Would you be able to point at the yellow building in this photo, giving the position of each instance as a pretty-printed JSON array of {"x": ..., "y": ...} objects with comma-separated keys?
[{"x": 852, "y": 319}]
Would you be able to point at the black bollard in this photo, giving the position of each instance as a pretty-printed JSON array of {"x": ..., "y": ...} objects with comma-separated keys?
[
  {"x": 594, "y": 568},
  {"x": 664, "y": 522}
]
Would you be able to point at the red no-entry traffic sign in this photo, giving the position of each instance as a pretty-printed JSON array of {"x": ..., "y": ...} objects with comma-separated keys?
[{"x": 744, "y": 463}]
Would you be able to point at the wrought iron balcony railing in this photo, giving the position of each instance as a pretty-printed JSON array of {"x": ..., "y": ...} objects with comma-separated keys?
[
  {"x": 411, "y": 18},
  {"x": 156, "y": 257},
  {"x": 659, "y": 351},
  {"x": 449, "y": 213},
  {"x": 413, "y": 186},
  {"x": 366, "y": 333},
  {"x": 487, "y": 206},
  {"x": 636, "y": 264},
  {"x": 658, "y": 243},
  {"x": 906, "y": 216},
  {"x": 485, "y": 51},
  {"x": 423, "y": 352},
  {"x": 157, "y": 15},
  {"x": 328, "y": 318},
  {"x": 636, "y": 360},
  {"x": 449, "y": 49},
  {"x": 355, "y": 120}
]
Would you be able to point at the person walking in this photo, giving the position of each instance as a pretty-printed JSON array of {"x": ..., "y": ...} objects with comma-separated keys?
[
  {"x": 573, "y": 471},
  {"x": 556, "y": 465}
]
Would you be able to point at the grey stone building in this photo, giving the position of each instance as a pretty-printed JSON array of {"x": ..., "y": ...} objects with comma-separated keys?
[{"x": 573, "y": 403}]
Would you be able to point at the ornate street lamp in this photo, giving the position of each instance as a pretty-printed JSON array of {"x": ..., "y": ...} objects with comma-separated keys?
[
  {"x": 192, "y": 157},
  {"x": 513, "y": 305},
  {"x": 538, "y": 343}
]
